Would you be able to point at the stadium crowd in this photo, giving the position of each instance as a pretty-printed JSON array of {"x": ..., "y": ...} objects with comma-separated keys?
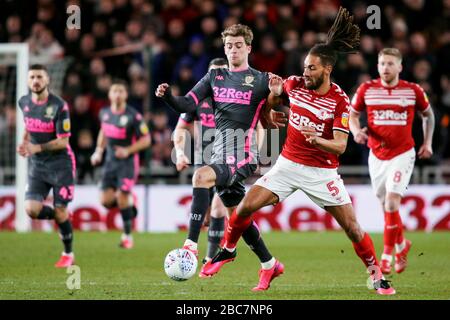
[{"x": 147, "y": 42}]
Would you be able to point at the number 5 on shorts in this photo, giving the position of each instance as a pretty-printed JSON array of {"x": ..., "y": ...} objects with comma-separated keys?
[{"x": 333, "y": 189}]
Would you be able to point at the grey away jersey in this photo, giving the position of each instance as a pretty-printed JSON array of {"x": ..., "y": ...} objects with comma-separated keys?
[
  {"x": 238, "y": 98},
  {"x": 46, "y": 121},
  {"x": 121, "y": 129}
]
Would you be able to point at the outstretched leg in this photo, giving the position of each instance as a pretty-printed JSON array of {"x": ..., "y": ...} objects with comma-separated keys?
[
  {"x": 241, "y": 224},
  {"x": 362, "y": 243}
]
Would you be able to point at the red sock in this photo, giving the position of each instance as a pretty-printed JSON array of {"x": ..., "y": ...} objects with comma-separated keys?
[
  {"x": 399, "y": 239},
  {"x": 225, "y": 227},
  {"x": 236, "y": 226},
  {"x": 391, "y": 228},
  {"x": 365, "y": 251}
]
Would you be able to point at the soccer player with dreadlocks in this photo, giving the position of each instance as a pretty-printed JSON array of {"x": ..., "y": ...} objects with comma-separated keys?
[{"x": 317, "y": 134}]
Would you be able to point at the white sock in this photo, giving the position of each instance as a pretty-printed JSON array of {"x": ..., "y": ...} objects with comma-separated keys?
[
  {"x": 68, "y": 254},
  {"x": 269, "y": 264},
  {"x": 126, "y": 237},
  {"x": 400, "y": 246},
  {"x": 191, "y": 244},
  {"x": 387, "y": 257},
  {"x": 230, "y": 249}
]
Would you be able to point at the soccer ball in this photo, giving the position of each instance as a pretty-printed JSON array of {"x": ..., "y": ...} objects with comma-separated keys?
[{"x": 180, "y": 264}]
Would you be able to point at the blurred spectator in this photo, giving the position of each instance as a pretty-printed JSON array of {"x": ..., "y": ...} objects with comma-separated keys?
[
  {"x": 177, "y": 9},
  {"x": 44, "y": 48},
  {"x": 138, "y": 94},
  {"x": 161, "y": 139},
  {"x": 321, "y": 15},
  {"x": 197, "y": 58},
  {"x": 269, "y": 57},
  {"x": 149, "y": 19},
  {"x": 8, "y": 136},
  {"x": 134, "y": 30},
  {"x": 184, "y": 80},
  {"x": 14, "y": 28},
  {"x": 73, "y": 87},
  {"x": 294, "y": 53},
  {"x": 100, "y": 33},
  {"x": 84, "y": 134},
  {"x": 209, "y": 27},
  {"x": 176, "y": 39},
  {"x": 72, "y": 42}
]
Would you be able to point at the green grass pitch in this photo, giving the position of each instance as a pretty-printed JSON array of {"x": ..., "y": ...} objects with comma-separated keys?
[{"x": 319, "y": 265}]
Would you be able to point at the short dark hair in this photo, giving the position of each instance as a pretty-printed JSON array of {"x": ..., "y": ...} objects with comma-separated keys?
[
  {"x": 218, "y": 62},
  {"x": 37, "y": 66},
  {"x": 343, "y": 37}
]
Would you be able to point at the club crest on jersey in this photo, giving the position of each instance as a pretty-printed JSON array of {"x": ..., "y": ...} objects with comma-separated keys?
[
  {"x": 49, "y": 112},
  {"x": 123, "y": 120},
  {"x": 66, "y": 125},
  {"x": 404, "y": 102},
  {"x": 144, "y": 129},
  {"x": 324, "y": 115},
  {"x": 26, "y": 109},
  {"x": 248, "y": 81}
]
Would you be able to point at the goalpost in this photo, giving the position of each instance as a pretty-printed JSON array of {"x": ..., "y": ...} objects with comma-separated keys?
[{"x": 20, "y": 50}]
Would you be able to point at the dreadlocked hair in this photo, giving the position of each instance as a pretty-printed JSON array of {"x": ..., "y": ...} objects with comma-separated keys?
[{"x": 343, "y": 37}]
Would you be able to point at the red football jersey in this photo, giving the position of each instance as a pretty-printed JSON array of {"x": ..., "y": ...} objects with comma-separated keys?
[
  {"x": 325, "y": 113},
  {"x": 390, "y": 115}
]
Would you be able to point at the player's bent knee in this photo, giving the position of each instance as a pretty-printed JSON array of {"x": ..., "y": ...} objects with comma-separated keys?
[
  {"x": 108, "y": 203},
  {"x": 246, "y": 207},
  {"x": 32, "y": 212},
  {"x": 201, "y": 179},
  {"x": 122, "y": 200},
  {"x": 32, "y": 209},
  {"x": 61, "y": 214}
]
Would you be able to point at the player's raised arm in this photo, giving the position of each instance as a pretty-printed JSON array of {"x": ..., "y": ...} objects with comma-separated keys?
[
  {"x": 276, "y": 96},
  {"x": 179, "y": 104},
  {"x": 269, "y": 117},
  {"x": 189, "y": 102}
]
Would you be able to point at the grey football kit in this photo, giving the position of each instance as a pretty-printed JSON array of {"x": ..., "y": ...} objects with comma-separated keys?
[
  {"x": 46, "y": 121},
  {"x": 238, "y": 98},
  {"x": 121, "y": 129}
]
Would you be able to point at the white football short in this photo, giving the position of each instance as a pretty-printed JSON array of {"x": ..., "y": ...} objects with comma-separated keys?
[
  {"x": 323, "y": 186},
  {"x": 391, "y": 175}
]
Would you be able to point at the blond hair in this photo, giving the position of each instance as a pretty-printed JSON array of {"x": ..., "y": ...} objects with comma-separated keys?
[
  {"x": 391, "y": 52},
  {"x": 237, "y": 30}
]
